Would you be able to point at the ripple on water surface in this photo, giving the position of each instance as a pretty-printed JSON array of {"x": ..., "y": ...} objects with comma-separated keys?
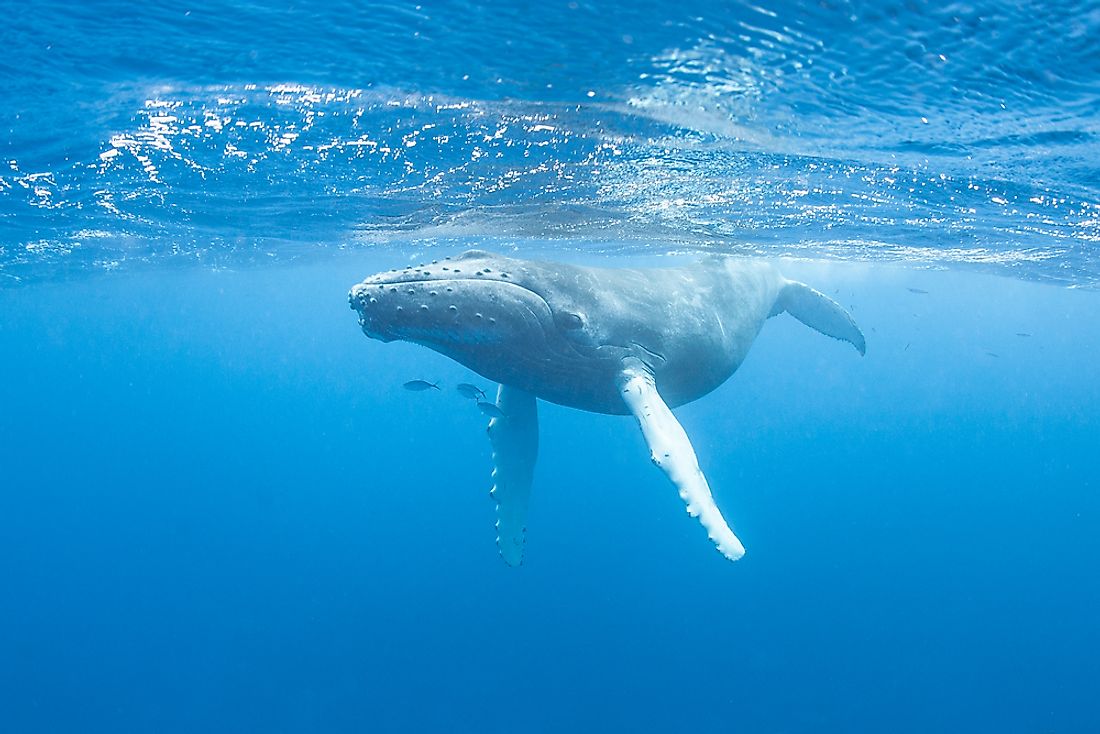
[{"x": 879, "y": 131}]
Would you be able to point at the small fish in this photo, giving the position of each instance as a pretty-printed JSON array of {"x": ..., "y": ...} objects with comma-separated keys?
[
  {"x": 421, "y": 385},
  {"x": 994, "y": 354},
  {"x": 1022, "y": 333},
  {"x": 921, "y": 291},
  {"x": 473, "y": 392},
  {"x": 490, "y": 409}
]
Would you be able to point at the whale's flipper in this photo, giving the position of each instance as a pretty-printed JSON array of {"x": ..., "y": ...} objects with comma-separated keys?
[
  {"x": 818, "y": 311},
  {"x": 515, "y": 439},
  {"x": 672, "y": 451}
]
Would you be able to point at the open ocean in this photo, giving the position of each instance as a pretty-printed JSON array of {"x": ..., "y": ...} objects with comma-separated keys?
[{"x": 221, "y": 512}]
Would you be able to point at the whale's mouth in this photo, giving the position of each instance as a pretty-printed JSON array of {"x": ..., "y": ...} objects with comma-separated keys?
[{"x": 447, "y": 311}]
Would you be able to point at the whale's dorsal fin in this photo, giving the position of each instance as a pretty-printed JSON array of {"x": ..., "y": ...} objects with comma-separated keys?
[
  {"x": 671, "y": 450},
  {"x": 819, "y": 312},
  {"x": 515, "y": 439}
]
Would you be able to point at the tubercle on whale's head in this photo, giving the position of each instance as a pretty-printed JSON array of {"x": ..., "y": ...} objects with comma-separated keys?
[
  {"x": 471, "y": 265},
  {"x": 478, "y": 308}
]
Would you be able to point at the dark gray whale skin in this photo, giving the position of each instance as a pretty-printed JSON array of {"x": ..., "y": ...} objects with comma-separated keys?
[{"x": 564, "y": 332}]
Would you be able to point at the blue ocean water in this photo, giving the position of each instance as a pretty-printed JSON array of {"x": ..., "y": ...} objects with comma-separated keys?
[{"x": 219, "y": 511}]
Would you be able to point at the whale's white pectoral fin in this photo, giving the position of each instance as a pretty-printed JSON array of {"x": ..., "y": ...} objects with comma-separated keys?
[
  {"x": 515, "y": 439},
  {"x": 672, "y": 451},
  {"x": 818, "y": 311}
]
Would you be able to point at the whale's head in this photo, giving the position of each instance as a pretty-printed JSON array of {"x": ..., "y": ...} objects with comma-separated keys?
[
  {"x": 520, "y": 322},
  {"x": 512, "y": 321}
]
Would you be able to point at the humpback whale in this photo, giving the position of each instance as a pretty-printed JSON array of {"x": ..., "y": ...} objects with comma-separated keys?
[{"x": 607, "y": 340}]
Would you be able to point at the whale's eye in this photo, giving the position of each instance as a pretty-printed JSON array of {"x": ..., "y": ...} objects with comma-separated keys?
[{"x": 566, "y": 320}]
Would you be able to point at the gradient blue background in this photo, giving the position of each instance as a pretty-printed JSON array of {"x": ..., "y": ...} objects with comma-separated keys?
[{"x": 220, "y": 512}]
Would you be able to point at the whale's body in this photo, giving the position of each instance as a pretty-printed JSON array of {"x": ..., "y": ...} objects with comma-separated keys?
[{"x": 617, "y": 341}]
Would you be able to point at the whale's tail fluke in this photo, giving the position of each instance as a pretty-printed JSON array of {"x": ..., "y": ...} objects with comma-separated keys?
[{"x": 818, "y": 311}]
